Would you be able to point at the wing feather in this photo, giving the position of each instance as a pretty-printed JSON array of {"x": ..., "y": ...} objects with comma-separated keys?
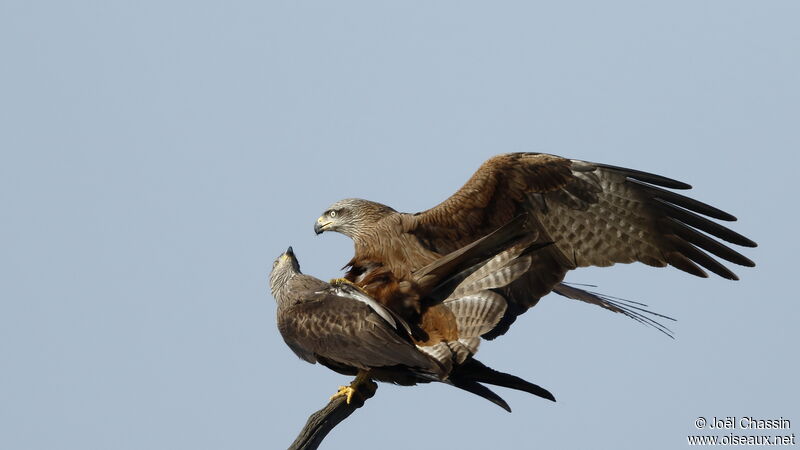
[
  {"x": 703, "y": 224},
  {"x": 349, "y": 332},
  {"x": 595, "y": 214},
  {"x": 701, "y": 240}
]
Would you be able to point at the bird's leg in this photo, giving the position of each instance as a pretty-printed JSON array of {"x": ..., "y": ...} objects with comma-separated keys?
[
  {"x": 359, "y": 389},
  {"x": 341, "y": 281}
]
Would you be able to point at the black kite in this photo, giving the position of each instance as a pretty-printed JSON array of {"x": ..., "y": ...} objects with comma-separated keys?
[
  {"x": 595, "y": 214},
  {"x": 339, "y": 326}
]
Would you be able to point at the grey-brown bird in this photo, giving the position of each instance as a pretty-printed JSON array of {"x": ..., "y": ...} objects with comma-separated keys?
[
  {"x": 344, "y": 329},
  {"x": 595, "y": 215}
]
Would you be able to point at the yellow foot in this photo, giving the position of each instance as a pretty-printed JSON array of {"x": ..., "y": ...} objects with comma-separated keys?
[
  {"x": 344, "y": 391},
  {"x": 341, "y": 281}
]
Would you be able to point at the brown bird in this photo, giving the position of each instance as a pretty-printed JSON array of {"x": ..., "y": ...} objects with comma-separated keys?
[
  {"x": 339, "y": 326},
  {"x": 595, "y": 215}
]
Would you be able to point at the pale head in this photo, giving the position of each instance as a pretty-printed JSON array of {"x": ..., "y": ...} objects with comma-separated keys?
[
  {"x": 283, "y": 269},
  {"x": 351, "y": 216}
]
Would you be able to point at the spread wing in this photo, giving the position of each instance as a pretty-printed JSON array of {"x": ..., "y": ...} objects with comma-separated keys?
[
  {"x": 596, "y": 215},
  {"x": 337, "y": 327}
]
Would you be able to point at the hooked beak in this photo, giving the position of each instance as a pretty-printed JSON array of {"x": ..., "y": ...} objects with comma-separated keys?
[
  {"x": 288, "y": 254},
  {"x": 320, "y": 224}
]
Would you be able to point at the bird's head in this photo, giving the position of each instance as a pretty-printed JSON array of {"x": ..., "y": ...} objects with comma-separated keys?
[
  {"x": 283, "y": 269},
  {"x": 350, "y": 216}
]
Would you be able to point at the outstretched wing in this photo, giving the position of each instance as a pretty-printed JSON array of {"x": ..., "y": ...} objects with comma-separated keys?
[
  {"x": 336, "y": 327},
  {"x": 595, "y": 214}
]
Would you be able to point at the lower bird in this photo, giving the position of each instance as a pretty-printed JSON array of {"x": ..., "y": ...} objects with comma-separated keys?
[{"x": 338, "y": 325}]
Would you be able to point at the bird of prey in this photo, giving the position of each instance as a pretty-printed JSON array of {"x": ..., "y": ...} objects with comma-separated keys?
[
  {"x": 339, "y": 326},
  {"x": 595, "y": 215}
]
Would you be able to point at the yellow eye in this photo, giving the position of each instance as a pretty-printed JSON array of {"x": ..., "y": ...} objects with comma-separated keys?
[{"x": 332, "y": 213}]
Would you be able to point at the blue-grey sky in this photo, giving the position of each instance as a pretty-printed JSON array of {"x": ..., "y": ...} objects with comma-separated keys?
[{"x": 157, "y": 156}]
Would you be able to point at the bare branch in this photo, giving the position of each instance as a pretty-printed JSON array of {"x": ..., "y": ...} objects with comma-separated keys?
[{"x": 322, "y": 422}]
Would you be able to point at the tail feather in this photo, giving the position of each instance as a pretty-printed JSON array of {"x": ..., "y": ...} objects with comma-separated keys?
[
  {"x": 440, "y": 352},
  {"x": 450, "y": 353},
  {"x": 480, "y": 390},
  {"x": 429, "y": 277},
  {"x": 474, "y": 370},
  {"x": 493, "y": 274},
  {"x": 496, "y": 262},
  {"x": 632, "y": 309},
  {"x": 477, "y": 313},
  {"x": 463, "y": 348},
  {"x": 471, "y": 344}
]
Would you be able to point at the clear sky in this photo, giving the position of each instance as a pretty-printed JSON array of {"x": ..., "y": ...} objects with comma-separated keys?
[{"x": 157, "y": 156}]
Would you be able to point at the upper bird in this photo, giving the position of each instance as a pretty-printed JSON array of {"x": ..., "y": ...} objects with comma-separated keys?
[{"x": 595, "y": 215}]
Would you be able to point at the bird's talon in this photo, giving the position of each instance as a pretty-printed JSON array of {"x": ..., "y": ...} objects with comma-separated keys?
[
  {"x": 344, "y": 391},
  {"x": 341, "y": 281}
]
